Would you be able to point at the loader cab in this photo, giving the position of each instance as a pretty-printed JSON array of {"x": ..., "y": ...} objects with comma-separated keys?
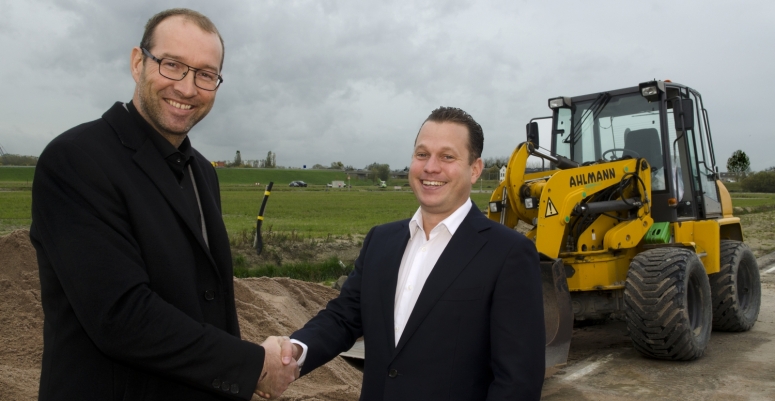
[{"x": 663, "y": 122}]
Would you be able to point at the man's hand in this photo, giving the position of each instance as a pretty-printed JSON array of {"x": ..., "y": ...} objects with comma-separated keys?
[{"x": 280, "y": 368}]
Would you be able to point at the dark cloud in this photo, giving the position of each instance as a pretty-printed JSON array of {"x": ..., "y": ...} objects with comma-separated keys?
[{"x": 319, "y": 81}]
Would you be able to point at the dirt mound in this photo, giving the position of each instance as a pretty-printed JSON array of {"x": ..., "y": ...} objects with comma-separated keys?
[
  {"x": 268, "y": 306},
  {"x": 265, "y": 307},
  {"x": 17, "y": 256},
  {"x": 21, "y": 318}
]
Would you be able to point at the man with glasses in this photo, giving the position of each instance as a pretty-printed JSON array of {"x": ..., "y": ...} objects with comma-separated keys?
[{"x": 135, "y": 267}]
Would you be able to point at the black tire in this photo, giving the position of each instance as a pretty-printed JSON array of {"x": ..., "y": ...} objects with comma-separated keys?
[
  {"x": 668, "y": 304},
  {"x": 736, "y": 290}
]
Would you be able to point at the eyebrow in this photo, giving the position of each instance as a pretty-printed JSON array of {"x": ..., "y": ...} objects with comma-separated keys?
[
  {"x": 445, "y": 149},
  {"x": 178, "y": 58}
]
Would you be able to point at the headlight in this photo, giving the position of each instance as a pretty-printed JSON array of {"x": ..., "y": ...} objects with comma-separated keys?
[
  {"x": 558, "y": 102},
  {"x": 649, "y": 91}
]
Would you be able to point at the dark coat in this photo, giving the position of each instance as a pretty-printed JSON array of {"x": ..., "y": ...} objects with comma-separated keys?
[
  {"x": 476, "y": 332},
  {"x": 136, "y": 305}
]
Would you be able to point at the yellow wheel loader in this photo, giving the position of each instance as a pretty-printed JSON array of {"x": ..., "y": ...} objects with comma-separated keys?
[{"x": 630, "y": 220}]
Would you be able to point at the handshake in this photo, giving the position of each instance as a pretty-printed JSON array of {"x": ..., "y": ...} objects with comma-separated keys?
[{"x": 280, "y": 367}]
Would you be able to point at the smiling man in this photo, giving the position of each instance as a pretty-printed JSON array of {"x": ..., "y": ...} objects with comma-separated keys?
[
  {"x": 449, "y": 303},
  {"x": 135, "y": 267}
]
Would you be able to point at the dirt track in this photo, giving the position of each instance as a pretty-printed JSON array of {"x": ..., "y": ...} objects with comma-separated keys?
[{"x": 736, "y": 366}]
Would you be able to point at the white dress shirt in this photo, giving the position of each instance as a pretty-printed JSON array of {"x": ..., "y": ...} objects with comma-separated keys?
[{"x": 420, "y": 256}]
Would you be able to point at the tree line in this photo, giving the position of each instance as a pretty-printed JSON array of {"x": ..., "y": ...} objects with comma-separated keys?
[
  {"x": 740, "y": 165},
  {"x": 18, "y": 160}
]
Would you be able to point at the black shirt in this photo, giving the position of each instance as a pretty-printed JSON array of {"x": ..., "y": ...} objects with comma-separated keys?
[{"x": 178, "y": 159}]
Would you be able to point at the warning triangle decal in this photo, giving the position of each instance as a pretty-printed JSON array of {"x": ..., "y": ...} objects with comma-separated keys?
[{"x": 550, "y": 209}]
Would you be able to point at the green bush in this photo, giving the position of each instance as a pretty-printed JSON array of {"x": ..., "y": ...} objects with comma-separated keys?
[
  {"x": 763, "y": 181},
  {"x": 327, "y": 270},
  {"x": 733, "y": 187}
]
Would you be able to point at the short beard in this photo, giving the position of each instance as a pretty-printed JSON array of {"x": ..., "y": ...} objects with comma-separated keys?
[{"x": 152, "y": 111}]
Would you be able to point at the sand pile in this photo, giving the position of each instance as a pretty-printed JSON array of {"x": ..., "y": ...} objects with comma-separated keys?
[
  {"x": 265, "y": 307},
  {"x": 21, "y": 318}
]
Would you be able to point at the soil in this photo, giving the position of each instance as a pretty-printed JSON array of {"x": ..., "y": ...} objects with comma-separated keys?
[
  {"x": 21, "y": 318},
  {"x": 759, "y": 232},
  {"x": 602, "y": 364},
  {"x": 265, "y": 307}
]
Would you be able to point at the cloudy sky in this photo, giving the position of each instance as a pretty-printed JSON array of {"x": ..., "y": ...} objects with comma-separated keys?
[{"x": 351, "y": 81}]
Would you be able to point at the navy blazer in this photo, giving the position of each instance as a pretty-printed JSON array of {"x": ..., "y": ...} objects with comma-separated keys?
[
  {"x": 476, "y": 332},
  {"x": 136, "y": 305}
]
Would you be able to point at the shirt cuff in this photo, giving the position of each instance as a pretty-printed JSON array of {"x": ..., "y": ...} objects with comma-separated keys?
[{"x": 303, "y": 356}]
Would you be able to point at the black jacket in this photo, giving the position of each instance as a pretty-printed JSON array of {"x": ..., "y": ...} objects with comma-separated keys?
[
  {"x": 475, "y": 333},
  {"x": 136, "y": 305}
]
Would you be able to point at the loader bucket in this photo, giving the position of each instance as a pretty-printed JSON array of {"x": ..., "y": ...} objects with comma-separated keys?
[{"x": 558, "y": 315}]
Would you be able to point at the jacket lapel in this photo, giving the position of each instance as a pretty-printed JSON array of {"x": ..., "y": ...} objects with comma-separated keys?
[
  {"x": 394, "y": 251},
  {"x": 462, "y": 247},
  {"x": 150, "y": 162},
  {"x": 147, "y": 157},
  {"x": 219, "y": 244}
]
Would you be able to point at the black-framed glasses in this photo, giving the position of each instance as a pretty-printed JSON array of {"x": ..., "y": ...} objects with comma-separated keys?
[{"x": 176, "y": 71}]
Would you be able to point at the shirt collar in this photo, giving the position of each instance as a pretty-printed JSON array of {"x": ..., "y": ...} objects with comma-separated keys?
[
  {"x": 162, "y": 144},
  {"x": 451, "y": 223},
  {"x": 177, "y": 158}
]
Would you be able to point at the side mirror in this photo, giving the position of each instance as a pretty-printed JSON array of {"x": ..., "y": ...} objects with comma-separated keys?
[
  {"x": 683, "y": 111},
  {"x": 532, "y": 133}
]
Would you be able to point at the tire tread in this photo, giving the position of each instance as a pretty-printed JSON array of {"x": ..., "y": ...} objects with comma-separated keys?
[
  {"x": 727, "y": 313},
  {"x": 655, "y": 296}
]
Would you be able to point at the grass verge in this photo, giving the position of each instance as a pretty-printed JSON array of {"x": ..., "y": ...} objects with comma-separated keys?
[{"x": 327, "y": 270}]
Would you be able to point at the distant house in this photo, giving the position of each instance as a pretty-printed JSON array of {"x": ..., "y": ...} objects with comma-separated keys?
[
  {"x": 502, "y": 174},
  {"x": 727, "y": 176},
  {"x": 401, "y": 174},
  {"x": 360, "y": 174}
]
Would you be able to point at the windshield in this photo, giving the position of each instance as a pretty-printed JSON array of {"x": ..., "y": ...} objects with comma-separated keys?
[{"x": 610, "y": 128}]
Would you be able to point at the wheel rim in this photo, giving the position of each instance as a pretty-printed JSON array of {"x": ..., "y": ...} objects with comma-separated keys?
[
  {"x": 694, "y": 305},
  {"x": 744, "y": 284}
]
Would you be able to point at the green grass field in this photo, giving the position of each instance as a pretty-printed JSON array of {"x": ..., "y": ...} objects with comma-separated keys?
[
  {"x": 282, "y": 177},
  {"x": 311, "y": 212},
  {"x": 318, "y": 214},
  {"x": 752, "y": 199},
  {"x": 298, "y": 214},
  {"x": 13, "y": 178}
]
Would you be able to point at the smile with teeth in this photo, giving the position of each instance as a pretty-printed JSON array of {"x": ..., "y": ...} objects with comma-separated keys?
[
  {"x": 178, "y": 105},
  {"x": 433, "y": 183}
]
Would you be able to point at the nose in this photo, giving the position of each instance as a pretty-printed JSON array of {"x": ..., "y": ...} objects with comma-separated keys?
[
  {"x": 432, "y": 165},
  {"x": 186, "y": 86}
]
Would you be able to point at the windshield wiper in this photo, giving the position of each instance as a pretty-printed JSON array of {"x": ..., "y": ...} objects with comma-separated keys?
[{"x": 594, "y": 110}]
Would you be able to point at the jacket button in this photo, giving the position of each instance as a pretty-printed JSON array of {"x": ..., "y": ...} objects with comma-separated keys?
[
  {"x": 217, "y": 383},
  {"x": 209, "y": 295},
  {"x": 393, "y": 373},
  {"x": 225, "y": 386},
  {"x": 234, "y": 388}
]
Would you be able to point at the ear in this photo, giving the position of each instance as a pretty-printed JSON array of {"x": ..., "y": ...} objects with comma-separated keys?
[
  {"x": 136, "y": 63},
  {"x": 476, "y": 170}
]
